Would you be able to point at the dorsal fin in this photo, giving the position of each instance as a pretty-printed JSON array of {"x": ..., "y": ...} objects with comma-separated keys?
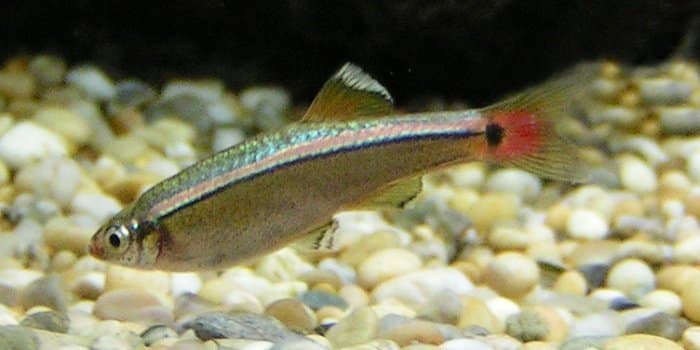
[{"x": 348, "y": 94}]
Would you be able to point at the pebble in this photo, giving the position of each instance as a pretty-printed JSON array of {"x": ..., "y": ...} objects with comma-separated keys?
[
  {"x": 132, "y": 93},
  {"x": 641, "y": 342},
  {"x": 55, "y": 177},
  {"x": 602, "y": 324},
  {"x": 268, "y": 105},
  {"x": 633, "y": 277},
  {"x": 19, "y": 85},
  {"x": 295, "y": 315},
  {"x": 419, "y": 287},
  {"x": 521, "y": 183},
  {"x": 386, "y": 264},
  {"x": 47, "y": 70},
  {"x": 636, "y": 175},
  {"x": 587, "y": 224},
  {"x": 120, "y": 277},
  {"x": 65, "y": 123},
  {"x": 693, "y": 166},
  {"x": 47, "y": 291},
  {"x": 445, "y": 307},
  {"x": 584, "y": 343},
  {"x": 512, "y": 274},
  {"x": 354, "y": 295},
  {"x": 216, "y": 325},
  {"x": 282, "y": 265},
  {"x": 465, "y": 344},
  {"x": 318, "y": 299},
  {"x": 476, "y": 312},
  {"x": 656, "y": 323},
  {"x": 92, "y": 82},
  {"x": 63, "y": 234},
  {"x": 132, "y": 305},
  {"x": 691, "y": 338},
  {"x": 412, "y": 331},
  {"x": 663, "y": 90},
  {"x": 681, "y": 120},
  {"x": 663, "y": 300},
  {"x": 571, "y": 282},
  {"x": 156, "y": 333},
  {"x": 491, "y": 208},
  {"x": 676, "y": 277},
  {"x": 26, "y": 142},
  {"x": 51, "y": 321},
  {"x": 379, "y": 344},
  {"x": 527, "y": 326},
  {"x": 207, "y": 90},
  {"x": 18, "y": 338},
  {"x": 98, "y": 205},
  {"x": 360, "y": 326}
]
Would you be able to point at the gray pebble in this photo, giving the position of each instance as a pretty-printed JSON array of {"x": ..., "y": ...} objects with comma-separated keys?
[
  {"x": 192, "y": 304},
  {"x": 582, "y": 343},
  {"x": 187, "y": 107},
  {"x": 268, "y": 105},
  {"x": 620, "y": 304},
  {"x": 17, "y": 338},
  {"x": 51, "y": 321},
  {"x": 155, "y": 333},
  {"x": 132, "y": 93},
  {"x": 47, "y": 291},
  {"x": 595, "y": 274},
  {"x": 317, "y": 299},
  {"x": 443, "y": 307},
  {"x": 527, "y": 326},
  {"x": 660, "y": 324},
  {"x": 217, "y": 325},
  {"x": 47, "y": 70}
]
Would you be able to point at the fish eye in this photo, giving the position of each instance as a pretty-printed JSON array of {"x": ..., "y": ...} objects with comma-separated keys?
[{"x": 117, "y": 237}]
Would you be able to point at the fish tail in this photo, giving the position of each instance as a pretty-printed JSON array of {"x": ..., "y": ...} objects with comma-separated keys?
[{"x": 521, "y": 131}]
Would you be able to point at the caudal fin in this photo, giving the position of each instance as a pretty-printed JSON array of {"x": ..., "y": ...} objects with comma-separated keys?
[{"x": 521, "y": 130}]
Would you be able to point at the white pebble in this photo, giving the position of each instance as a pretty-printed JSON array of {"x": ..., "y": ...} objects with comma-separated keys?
[
  {"x": 92, "y": 82},
  {"x": 27, "y": 142},
  {"x": 386, "y": 264},
  {"x": 511, "y": 274},
  {"x": 226, "y": 137},
  {"x": 693, "y": 165},
  {"x": 663, "y": 300},
  {"x": 464, "y": 344},
  {"x": 468, "y": 175},
  {"x": 686, "y": 250},
  {"x": 206, "y": 90},
  {"x": 419, "y": 287},
  {"x": 587, "y": 224},
  {"x": 185, "y": 282},
  {"x": 98, "y": 205},
  {"x": 679, "y": 120},
  {"x": 502, "y": 308},
  {"x": 55, "y": 177},
  {"x": 516, "y": 181},
  {"x": 636, "y": 175},
  {"x": 632, "y": 277}
]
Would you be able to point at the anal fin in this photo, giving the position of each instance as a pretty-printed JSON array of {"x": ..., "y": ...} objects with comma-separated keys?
[
  {"x": 321, "y": 239},
  {"x": 395, "y": 195}
]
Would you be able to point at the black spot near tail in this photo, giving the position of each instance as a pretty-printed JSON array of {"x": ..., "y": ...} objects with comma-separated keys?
[{"x": 494, "y": 134}]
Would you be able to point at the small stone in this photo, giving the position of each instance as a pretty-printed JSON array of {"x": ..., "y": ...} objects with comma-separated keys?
[
  {"x": 527, "y": 326},
  {"x": 463, "y": 344},
  {"x": 206, "y": 90},
  {"x": 89, "y": 285},
  {"x": 268, "y": 105},
  {"x": 663, "y": 300},
  {"x": 691, "y": 338},
  {"x": 636, "y": 175},
  {"x": 156, "y": 333},
  {"x": 217, "y": 325},
  {"x": 98, "y": 205},
  {"x": 662, "y": 90},
  {"x": 132, "y": 93},
  {"x": 64, "y": 234},
  {"x": 679, "y": 120},
  {"x": 354, "y": 295},
  {"x": 693, "y": 165},
  {"x": 47, "y": 291},
  {"x": 318, "y": 299},
  {"x": 18, "y": 338},
  {"x": 26, "y": 142},
  {"x": 92, "y": 82},
  {"x": 467, "y": 175},
  {"x": 616, "y": 115},
  {"x": 501, "y": 208},
  {"x": 584, "y": 343},
  {"x": 47, "y": 70},
  {"x": 603, "y": 324},
  {"x": 475, "y": 312},
  {"x": 16, "y": 84},
  {"x": 357, "y": 252},
  {"x": 226, "y": 137},
  {"x": 641, "y": 342},
  {"x": 511, "y": 274},
  {"x": 632, "y": 277},
  {"x": 676, "y": 277},
  {"x": 317, "y": 276},
  {"x": 386, "y": 264},
  {"x": 445, "y": 307},
  {"x": 516, "y": 181},
  {"x": 120, "y": 277},
  {"x": 132, "y": 305},
  {"x": 690, "y": 295},
  {"x": 282, "y": 265},
  {"x": 65, "y": 123},
  {"x": 185, "y": 283},
  {"x": 419, "y": 287},
  {"x": 409, "y": 331},
  {"x": 51, "y": 321},
  {"x": 587, "y": 224},
  {"x": 295, "y": 315},
  {"x": 571, "y": 282},
  {"x": 360, "y": 326},
  {"x": 657, "y": 323}
]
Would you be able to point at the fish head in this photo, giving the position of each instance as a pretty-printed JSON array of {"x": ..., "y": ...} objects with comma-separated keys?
[{"x": 126, "y": 241}]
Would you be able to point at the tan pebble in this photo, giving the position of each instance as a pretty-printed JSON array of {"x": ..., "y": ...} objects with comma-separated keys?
[
  {"x": 610, "y": 70},
  {"x": 463, "y": 199},
  {"x": 691, "y": 338},
  {"x": 358, "y": 327},
  {"x": 294, "y": 314},
  {"x": 636, "y": 175},
  {"x": 63, "y": 260},
  {"x": 329, "y": 312},
  {"x": 558, "y": 216},
  {"x": 675, "y": 277},
  {"x": 324, "y": 287},
  {"x": 414, "y": 331},
  {"x": 480, "y": 256},
  {"x": 357, "y": 252},
  {"x": 119, "y": 277},
  {"x": 421, "y": 347},
  {"x": 476, "y": 312},
  {"x": 469, "y": 269},
  {"x": 631, "y": 207},
  {"x": 319, "y": 339},
  {"x": 317, "y": 276},
  {"x": 493, "y": 208},
  {"x": 393, "y": 307},
  {"x": 62, "y": 233},
  {"x": 509, "y": 238},
  {"x": 663, "y": 300},
  {"x": 571, "y": 282},
  {"x": 540, "y": 345},
  {"x": 690, "y": 295},
  {"x": 592, "y": 252},
  {"x": 674, "y": 184},
  {"x": 692, "y": 203},
  {"x": 65, "y": 122},
  {"x": 686, "y": 250},
  {"x": 354, "y": 295},
  {"x": 132, "y": 305},
  {"x": 556, "y": 322},
  {"x": 512, "y": 274},
  {"x": 386, "y": 264},
  {"x": 641, "y": 342}
]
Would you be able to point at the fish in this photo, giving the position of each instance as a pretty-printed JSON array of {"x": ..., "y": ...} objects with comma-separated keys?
[{"x": 350, "y": 151}]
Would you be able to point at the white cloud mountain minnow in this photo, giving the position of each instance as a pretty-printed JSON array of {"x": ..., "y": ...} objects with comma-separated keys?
[{"x": 348, "y": 152}]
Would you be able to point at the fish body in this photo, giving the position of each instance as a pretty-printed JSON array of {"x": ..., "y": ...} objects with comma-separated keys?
[{"x": 349, "y": 152}]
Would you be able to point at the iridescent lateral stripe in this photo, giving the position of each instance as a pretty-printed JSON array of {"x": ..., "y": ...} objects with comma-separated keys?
[{"x": 347, "y": 140}]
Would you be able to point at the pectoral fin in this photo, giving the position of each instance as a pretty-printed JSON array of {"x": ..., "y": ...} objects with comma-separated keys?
[{"x": 349, "y": 94}]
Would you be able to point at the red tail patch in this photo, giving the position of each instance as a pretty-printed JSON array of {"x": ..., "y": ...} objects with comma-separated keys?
[{"x": 514, "y": 134}]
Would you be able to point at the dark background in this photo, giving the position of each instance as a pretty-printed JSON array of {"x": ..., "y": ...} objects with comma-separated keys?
[{"x": 467, "y": 50}]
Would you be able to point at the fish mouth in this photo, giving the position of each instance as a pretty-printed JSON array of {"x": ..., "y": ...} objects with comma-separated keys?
[{"x": 95, "y": 249}]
